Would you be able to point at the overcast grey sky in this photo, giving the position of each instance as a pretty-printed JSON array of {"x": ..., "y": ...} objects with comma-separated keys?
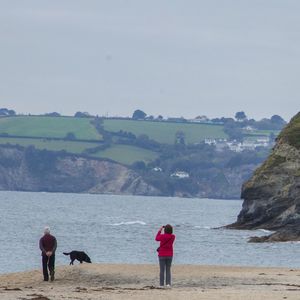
[{"x": 168, "y": 57}]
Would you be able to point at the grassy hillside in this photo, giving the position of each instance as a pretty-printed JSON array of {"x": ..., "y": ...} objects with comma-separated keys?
[
  {"x": 120, "y": 153},
  {"x": 58, "y": 127},
  {"x": 45, "y": 128},
  {"x": 291, "y": 133},
  {"x": 263, "y": 132},
  {"x": 49, "y": 127},
  {"x": 75, "y": 147},
  {"x": 164, "y": 132},
  {"x": 126, "y": 154}
]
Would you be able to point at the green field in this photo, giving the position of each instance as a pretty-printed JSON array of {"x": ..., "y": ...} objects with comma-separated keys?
[
  {"x": 57, "y": 127},
  {"x": 120, "y": 153},
  {"x": 264, "y": 132},
  {"x": 254, "y": 135},
  {"x": 164, "y": 132},
  {"x": 51, "y": 145},
  {"x": 126, "y": 154},
  {"x": 49, "y": 127}
]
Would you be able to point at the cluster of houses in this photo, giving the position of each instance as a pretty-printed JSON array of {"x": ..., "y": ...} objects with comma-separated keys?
[{"x": 247, "y": 144}]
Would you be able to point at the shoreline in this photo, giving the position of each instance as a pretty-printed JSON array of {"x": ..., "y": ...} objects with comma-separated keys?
[
  {"x": 174, "y": 265},
  {"x": 132, "y": 281}
]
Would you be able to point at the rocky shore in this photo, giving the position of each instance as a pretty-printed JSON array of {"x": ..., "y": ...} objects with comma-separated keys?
[
  {"x": 272, "y": 195},
  {"x": 34, "y": 170}
]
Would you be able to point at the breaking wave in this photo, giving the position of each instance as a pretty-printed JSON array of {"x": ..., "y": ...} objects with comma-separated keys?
[
  {"x": 266, "y": 231},
  {"x": 129, "y": 223}
]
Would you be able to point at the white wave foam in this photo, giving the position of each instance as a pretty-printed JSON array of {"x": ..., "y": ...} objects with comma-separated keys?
[
  {"x": 203, "y": 227},
  {"x": 265, "y": 231},
  {"x": 129, "y": 223}
]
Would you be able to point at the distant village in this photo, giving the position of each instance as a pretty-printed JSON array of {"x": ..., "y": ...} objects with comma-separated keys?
[
  {"x": 225, "y": 145},
  {"x": 247, "y": 144}
]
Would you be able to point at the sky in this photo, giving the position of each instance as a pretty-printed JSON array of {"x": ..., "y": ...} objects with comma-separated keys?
[{"x": 166, "y": 57}]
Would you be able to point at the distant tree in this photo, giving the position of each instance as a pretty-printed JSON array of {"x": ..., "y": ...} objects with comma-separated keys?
[
  {"x": 276, "y": 123},
  {"x": 233, "y": 131},
  {"x": 80, "y": 114},
  {"x": 264, "y": 124},
  {"x": 144, "y": 141},
  {"x": 11, "y": 112},
  {"x": 7, "y": 112},
  {"x": 160, "y": 118},
  {"x": 180, "y": 137},
  {"x": 40, "y": 162},
  {"x": 70, "y": 136},
  {"x": 277, "y": 120},
  {"x": 52, "y": 114},
  {"x": 138, "y": 115},
  {"x": 217, "y": 121},
  {"x": 251, "y": 122},
  {"x": 227, "y": 120},
  {"x": 3, "y": 111},
  {"x": 177, "y": 120},
  {"x": 139, "y": 165},
  {"x": 240, "y": 116},
  {"x": 272, "y": 137},
  {"x": 203, "y": 118}
]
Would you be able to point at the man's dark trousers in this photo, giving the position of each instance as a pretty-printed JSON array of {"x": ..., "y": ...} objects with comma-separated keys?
[{"x": 48, "y": 263}]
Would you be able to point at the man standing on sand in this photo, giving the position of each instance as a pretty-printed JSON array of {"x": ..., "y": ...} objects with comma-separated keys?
[{"x": 48, "y": 245}]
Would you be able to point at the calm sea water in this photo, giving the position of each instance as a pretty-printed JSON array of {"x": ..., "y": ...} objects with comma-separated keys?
[{"x": 121, "y": 229}]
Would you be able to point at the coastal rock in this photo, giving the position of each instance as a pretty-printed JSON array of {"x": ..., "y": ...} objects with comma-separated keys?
[
  {"x": 29, "y": 169},
  {"x": 33, "y": 170},
  {"x": 272, "y": 195}
]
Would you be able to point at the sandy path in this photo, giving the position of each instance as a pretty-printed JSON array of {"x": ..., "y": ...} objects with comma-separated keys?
[{"x": 95, "y": 281}]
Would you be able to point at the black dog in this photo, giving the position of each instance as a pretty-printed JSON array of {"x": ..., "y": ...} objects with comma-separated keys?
[{"x": 79, "y": 255}]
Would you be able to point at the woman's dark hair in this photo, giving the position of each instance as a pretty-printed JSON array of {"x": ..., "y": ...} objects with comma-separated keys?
[{"x": 168, "y": 228}]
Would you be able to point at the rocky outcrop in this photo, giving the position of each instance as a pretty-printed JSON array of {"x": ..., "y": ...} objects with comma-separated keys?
[
  {"x": 34, "y": 170},
  {"x": 29, "y": 169},
  {"x": 272, "y": 195}
]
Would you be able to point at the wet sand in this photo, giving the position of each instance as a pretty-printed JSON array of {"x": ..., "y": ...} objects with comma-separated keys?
[{"x": 117, "y": 281}]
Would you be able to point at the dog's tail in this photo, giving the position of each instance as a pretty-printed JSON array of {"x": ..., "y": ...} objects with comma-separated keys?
[{"x": 65, "y": 253}]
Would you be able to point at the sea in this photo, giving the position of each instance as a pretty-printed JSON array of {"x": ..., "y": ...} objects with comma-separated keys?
[{"x": 122, "y": 229}]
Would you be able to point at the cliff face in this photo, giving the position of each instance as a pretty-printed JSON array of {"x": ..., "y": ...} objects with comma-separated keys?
[
  {"x": 28, "y": 169},
  {"x": 32, "y": 170},
  {"x": 272, "y": 195}
]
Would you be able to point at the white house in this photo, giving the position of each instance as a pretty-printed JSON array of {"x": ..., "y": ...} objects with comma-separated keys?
[
  {"x": 248, "y": 128},
  {"x": 157, "y": 169},
  {"x": 210, "y": 141},
  {"x": 199, "y": 119},
  {"x": 180, "y": 174}
]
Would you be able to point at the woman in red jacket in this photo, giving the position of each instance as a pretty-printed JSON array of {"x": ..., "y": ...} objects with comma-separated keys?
[{"x": 165, "y": 253}]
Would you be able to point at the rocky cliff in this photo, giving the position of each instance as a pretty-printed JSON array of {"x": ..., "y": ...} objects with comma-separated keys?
[
  {"x": 29, "y": 169},
  {"x": 272, "y": 195},
  {"x": 32, "y": 170}
]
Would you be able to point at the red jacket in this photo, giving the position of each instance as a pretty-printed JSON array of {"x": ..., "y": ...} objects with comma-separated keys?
[
  {"x": 166, "y": 243},
  {"x": 48, "y": 243}
]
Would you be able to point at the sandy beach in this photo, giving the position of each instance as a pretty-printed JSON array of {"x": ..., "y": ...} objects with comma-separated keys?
[{"x": 112, "y": 281}]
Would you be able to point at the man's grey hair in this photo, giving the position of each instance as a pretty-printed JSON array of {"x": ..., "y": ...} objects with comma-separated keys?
[{"x": 47, "y": 230}]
